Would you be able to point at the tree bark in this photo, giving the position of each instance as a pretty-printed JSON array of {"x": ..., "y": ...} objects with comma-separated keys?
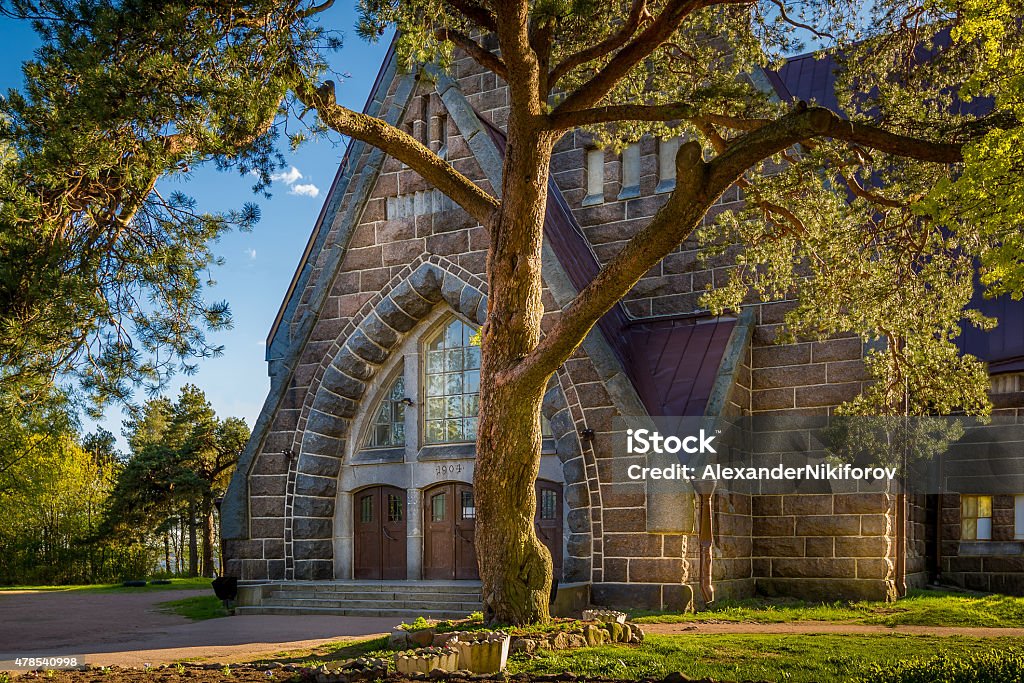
[
  {"x": 515, "y": 566},
  {"x": 193, "y": 548},
  {"x": 208, "y": 536}
]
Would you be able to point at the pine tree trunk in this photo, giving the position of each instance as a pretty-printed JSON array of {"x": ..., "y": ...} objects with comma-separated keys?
[
  {"x": 515, "y": 566},
  {"x": 193, "y": 547},
  {"x": 167, "y": 552},
  {"x": 208, "y": 537}
]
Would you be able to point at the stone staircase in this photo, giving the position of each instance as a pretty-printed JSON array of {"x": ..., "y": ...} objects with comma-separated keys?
[{"x": 401, "y": 600}]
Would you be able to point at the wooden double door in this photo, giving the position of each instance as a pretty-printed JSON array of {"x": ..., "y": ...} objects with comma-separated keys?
[
  {"x": 380, "y": 533},
  {"x": 449, "y": 520}
]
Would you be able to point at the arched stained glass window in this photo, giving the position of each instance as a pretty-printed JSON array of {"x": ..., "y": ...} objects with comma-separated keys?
[
  {"x": 388, "y": 427},
  {"x": 452, "y": 384}
]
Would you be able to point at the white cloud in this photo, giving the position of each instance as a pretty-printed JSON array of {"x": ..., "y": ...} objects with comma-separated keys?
[
  {"x": 289, "y": 177},
  {"x": 251, "y": 253},
  {"x": 309, "y": 190}
]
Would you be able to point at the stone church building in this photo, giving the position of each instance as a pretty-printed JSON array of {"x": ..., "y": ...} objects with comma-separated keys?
[{"x": 360, "y": 466}]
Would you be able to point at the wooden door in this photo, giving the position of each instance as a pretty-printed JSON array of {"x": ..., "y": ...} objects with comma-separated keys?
[
  {"x": 465, "y": 530},
  {"x": 449, "y": 518},
  {"x": 379, "y": 533},
  {"x": 548, "y": 521}
]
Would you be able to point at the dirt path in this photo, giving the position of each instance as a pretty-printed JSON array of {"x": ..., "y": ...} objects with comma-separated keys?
[
  {"x": 829, "y": 628},
  {"x": 127, "y": 629}
]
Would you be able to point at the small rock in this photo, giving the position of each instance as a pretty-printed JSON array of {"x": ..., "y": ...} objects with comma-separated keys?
[
  {"x": 561, "y": 641},
  {"x": 527, "y": 645},
  {"x": 423, "y": 638}
]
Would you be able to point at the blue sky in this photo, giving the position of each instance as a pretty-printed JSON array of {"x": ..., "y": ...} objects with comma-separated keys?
[{"x": 258, "y": 265}]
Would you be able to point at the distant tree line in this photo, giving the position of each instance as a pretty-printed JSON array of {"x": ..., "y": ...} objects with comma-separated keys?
[{"x": 73, "y": 509}]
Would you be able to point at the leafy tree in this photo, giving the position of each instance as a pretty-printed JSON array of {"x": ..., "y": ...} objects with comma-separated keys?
[
  {"x": 847, "y": 201},
  {"x": 182, "y": 456},
  {"x": 50, "y": 519},
  {"x": 27, "y": 427},
  {"x": 102, "y": 446}
]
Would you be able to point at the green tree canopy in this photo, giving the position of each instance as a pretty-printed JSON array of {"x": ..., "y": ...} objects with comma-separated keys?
[{"x": 181, "y": 460}]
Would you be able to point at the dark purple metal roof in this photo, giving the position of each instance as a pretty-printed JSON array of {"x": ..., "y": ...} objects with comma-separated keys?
[
  {"x": 812, "y": 78},
  {"x": 1003, "y": 347},
  {"x": 672, "y": 363}
]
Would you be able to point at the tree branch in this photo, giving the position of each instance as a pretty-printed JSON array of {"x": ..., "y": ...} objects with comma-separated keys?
[
  {"x": 656, "y": 32},
  {"x": 567, "y": 120},
  {"x": 475, "y": 12},
  {"x": 637, "y": 13},
  {"x": 478, "y": 52},
  {"x": 698, "y": 186},
  {"x": 401, "y": 146},
  {"x": 316, "y": 9}
]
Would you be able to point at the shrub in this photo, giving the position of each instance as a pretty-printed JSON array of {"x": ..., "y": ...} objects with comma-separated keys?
[{"x": 991, "y": 667}]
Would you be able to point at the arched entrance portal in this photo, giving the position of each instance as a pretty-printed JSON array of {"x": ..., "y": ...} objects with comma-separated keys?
[
  {"x": 379, "y": 524},
  {"x": 449, "y": 519}
]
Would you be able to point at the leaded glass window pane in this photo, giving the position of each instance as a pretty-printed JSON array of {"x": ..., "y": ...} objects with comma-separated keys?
[
  {"x": 468, "y": 506},
  {"x": 366, "y": 509},
  {"x": 548, "y": 504},
  {"x": 394, "y": 508},
  {"x": 452, "y": 385},
  {"x": 976, "y": 518},
  {"x": 388, "y": 428},
  {"x": 437, "y": 508}
]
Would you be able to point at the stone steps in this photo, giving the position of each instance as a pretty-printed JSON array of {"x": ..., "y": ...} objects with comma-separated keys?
[
  {"x": 418, "y": 606},
  {"x": 399, "y": 615},
  {"x": 401, "y": 600},
  {"x": 360, "y": 595}
]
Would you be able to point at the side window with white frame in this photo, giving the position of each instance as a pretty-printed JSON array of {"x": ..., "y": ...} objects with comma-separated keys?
[
  {"x": 388, "y": 427},
  {"x": 595, "y": 177},
  {"x": 667, "y": 148},
  {"x": 976, "y": 518}
]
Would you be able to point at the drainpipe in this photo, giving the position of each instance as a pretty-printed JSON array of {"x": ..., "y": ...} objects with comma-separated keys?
[
  {"x": 938, "y": 522},
  {"x": 705, "y": 538},
  {"x": 901, "y": 540}
]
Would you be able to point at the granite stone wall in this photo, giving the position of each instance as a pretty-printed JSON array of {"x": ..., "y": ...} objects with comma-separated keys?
[{"x": 394, "y": 250}]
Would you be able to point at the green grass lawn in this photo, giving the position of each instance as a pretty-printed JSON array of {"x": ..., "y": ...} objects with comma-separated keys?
[
  {"x": 920, "y": 608},
  {"x": 196, "y": 608},
  {"x": 823, "y": 658},
  {"x": 176, "y": 584},
  {"x": 332, "y": 653},
  {"x": 791, "y": 658}
]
